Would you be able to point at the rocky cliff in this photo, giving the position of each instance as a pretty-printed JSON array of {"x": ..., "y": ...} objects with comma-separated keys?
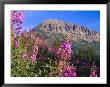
[{"x": 59, "y": 27}]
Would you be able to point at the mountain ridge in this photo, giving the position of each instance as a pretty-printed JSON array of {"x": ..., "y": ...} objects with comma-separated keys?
[
  {"x": 74, "y": 30},
  {"x": 81, "y": 37}
]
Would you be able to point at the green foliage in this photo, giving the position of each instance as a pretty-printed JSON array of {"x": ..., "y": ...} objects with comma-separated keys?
[
  {"x": 56, "y": 42},
  {"x": 30, "y": 47},
  {"x": 82, "y": 71},
  {"x": 46, "y": 64},
  {"x": 89, "y": 53},
  {"x": 45, "y": 67},
  {"x": 21, "y": 68}
]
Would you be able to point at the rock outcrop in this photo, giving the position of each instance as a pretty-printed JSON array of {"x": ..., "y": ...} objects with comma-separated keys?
[{"x": 76, "y": 32}]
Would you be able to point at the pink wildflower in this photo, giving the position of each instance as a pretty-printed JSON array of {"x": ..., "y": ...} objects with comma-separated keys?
[
  {"x": 16, "y": 21},
  {"x": 93, "y": 71},
  {"x": 64, "y": 51},
  {"x": 16, "y": 42},
  {"x": 69, "y": 71},
  {"x": 33, "y": 37},
  {"x": 25, "y": 56},
  {"x": 33, "y": 57}
]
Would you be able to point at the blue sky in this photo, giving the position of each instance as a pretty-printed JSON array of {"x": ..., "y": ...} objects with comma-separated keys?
[{"x": 91, "y": 19}]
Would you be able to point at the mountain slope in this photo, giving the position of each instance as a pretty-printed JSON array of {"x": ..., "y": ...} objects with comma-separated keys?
[
  {"x": 81, "y": 36},
  {"x": 76, "y": 32}
]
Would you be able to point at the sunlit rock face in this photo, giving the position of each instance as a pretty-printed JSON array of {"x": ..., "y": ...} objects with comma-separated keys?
[{"x": 77, "y": 32}]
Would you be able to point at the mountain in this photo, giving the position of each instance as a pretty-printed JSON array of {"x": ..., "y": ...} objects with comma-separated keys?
[
  {"x": 76, "y": 31},
  {"x": 80, "y": 36}
]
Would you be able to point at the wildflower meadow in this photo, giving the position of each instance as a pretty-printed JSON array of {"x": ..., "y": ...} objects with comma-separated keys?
[{"x": 31, "y": 55}]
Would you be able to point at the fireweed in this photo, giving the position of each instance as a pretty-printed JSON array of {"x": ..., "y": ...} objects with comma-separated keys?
[
  {"x": 69, "y": 71},
  {"x": 64, "y": 51},
  {"x": 24, "y": 40},
  {"x": 64, "y": 55},
  {"x": 33, "y": 57},
  {"x": 16, "y": 26},
  {"x": 31, "y": 54},
  {"x": 16, "y": 21},
  {"x": 16, "y": 42},
  {"x": 93, "y": 72}
]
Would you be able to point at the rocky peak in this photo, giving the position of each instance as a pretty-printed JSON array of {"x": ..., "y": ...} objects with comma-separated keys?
[{"x": 76, "y": 31}]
